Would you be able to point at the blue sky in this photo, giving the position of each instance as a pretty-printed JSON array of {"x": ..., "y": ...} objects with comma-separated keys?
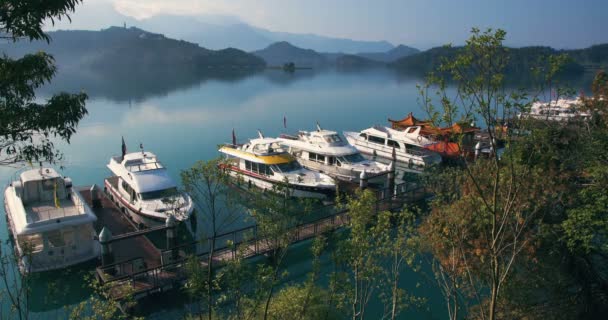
[{"x": 420, "y": 23}]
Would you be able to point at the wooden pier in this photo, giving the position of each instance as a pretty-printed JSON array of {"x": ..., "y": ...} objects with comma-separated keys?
[{"x": 141, "y": 269}]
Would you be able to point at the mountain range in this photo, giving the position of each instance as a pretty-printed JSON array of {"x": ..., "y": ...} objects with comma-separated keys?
[
  {"x": 521, "y": 60},
  {"x": 249, "y": 38},
  {"x": 120, "y": 50},
  {"x": 283, "y": 52},
  {"x": 213, "y": 31}
]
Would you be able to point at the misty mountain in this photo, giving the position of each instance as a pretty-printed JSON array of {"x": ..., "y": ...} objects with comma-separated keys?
[
  {"x": 327, "y": 44},
  {"x": 391, "y": 55},
  {"x": 217, "y": 35},
  {"x": 283, "y": 52},
  {"x": 122, "y": 51}
]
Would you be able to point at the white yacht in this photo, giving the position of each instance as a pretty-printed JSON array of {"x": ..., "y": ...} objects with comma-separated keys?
[
  {"x": 50, "y": 222},
  {"x": 325, "y": 151},
  {"x": 556, "y": 110},
  {"x": 263, "y": 162},
  {"x": 408, "y": 145},
  {"x": 143, "y": 189}
]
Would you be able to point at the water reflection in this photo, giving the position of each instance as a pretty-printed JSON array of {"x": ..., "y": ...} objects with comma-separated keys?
[{"x": 183, "y": 118}]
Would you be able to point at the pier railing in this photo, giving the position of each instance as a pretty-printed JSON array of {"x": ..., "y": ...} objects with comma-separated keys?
[{"x": 133, "y": 275}]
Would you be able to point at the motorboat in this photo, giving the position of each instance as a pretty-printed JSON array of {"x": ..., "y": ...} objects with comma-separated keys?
[
  {"x": 327, "y": 152},
  {"x": 264, "y": 163},
  {"x": 407, "y": 147},
  {"x": 142, "y": 188},
  {"x": 52, "y": 225},
  {"x": 556, "y": 110}
]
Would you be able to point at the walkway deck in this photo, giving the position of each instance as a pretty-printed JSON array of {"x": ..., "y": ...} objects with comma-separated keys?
[
  {"x": 164, "y": 270},
  {"x": 111, "y": 217}
]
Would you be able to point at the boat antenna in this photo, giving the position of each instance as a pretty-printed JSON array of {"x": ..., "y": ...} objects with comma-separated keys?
[
  {"x": 233, "y": 137},
  {"x": 141, "y": 146},
  {"x": 318, "y": 126},
  {"x": 260, "y": 134}
]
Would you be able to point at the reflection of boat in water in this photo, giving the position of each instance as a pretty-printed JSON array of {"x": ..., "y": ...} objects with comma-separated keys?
[
  {"x": 556, "y": 110},
  {"x": 264, "y": 163},
  {"x": 325, "y": 151},
  {"x": 406, "y": 147},
  {"x": 143, "y": 189},
  {"x": 51, "y": 223}
]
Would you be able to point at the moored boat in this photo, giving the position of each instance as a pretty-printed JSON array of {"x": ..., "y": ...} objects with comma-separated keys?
[
  {"x": 51, "y": 223},
  {"x": 142, "y": 188},
  {"x": 264, "y": 163},
  {"x": 327, "y": 152},
  {"x": 406, "y": 147},
  {"x": 556, "y": 110}
]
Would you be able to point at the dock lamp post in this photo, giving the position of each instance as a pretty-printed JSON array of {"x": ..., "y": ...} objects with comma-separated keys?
[
  {"x": 171, "y": 224},
  {"x": 363, "y": 180},
  {"x": 107, "y": 256}
]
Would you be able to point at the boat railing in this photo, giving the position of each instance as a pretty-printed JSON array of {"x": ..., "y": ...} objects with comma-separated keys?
[{"x": 144, "y": 166}]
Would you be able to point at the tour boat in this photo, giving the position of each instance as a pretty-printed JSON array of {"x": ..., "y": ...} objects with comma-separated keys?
[
  {"x": 406, "y": 147},
  {"x": 50, "y": 222},
  {"x": 263, "y": 162},
  {"x": 325, "y": 151},
  {"x": 556, "y": 110},
  {"x": 142, "y": 188}
]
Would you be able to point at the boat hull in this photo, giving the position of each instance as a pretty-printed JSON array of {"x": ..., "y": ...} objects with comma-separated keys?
[
  {"x": 139, "y": 217},
  {"x": 297, "y": 191}
]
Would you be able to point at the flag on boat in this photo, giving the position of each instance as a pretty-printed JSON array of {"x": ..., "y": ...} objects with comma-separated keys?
[
  {"x": 57, "y": 203},
  {"x": 233, "y": 137},
  {"x": 124, "y": 147}
]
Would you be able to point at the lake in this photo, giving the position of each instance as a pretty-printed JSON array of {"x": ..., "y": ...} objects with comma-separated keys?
[{"x": 184, "y": 121}]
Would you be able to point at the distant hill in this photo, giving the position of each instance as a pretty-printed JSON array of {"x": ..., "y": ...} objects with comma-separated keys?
[
  {"x": 391, "y": 55},
  {"x": 327, "y": 44},
  {"x": 521, "y": 60},
  {"x": 282, "y": 52},
  {"x": 594, "y": 55},
  {"x": 351, "y": 61},
  {"x": 120, "y": 50}
]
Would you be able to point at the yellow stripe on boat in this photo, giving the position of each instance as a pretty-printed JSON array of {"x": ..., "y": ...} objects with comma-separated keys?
[{"x": 272, "y": 159}]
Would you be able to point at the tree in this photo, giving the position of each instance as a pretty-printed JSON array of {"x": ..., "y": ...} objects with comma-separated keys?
[
  {"x": 486, "y": 215},
  {"x": 208, "y": 184},
  {"x": 27, "y": 127},
  {"x": 375, "y": 251}
]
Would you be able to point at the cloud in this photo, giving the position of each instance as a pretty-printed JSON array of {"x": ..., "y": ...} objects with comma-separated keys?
[{"x": 141, "y": 9}]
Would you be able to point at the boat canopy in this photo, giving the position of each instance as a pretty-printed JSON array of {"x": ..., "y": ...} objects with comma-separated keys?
[
  {"x": 428, "y": 129},
  {"x": 265, "y": 159}
]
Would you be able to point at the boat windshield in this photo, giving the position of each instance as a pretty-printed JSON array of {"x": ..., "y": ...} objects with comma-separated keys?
[
  {"x": 159, "y": 194},
  {"x": 286, "y": 167},
  {"x": 334, "y": 138},
  {"x": 351, "y": 158}
]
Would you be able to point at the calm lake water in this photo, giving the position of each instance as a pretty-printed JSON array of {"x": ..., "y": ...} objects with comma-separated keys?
[{"x": 184, "y": 121}]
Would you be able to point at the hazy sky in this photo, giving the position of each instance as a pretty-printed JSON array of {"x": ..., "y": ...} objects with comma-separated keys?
[{"x": 421, "y": 23}]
